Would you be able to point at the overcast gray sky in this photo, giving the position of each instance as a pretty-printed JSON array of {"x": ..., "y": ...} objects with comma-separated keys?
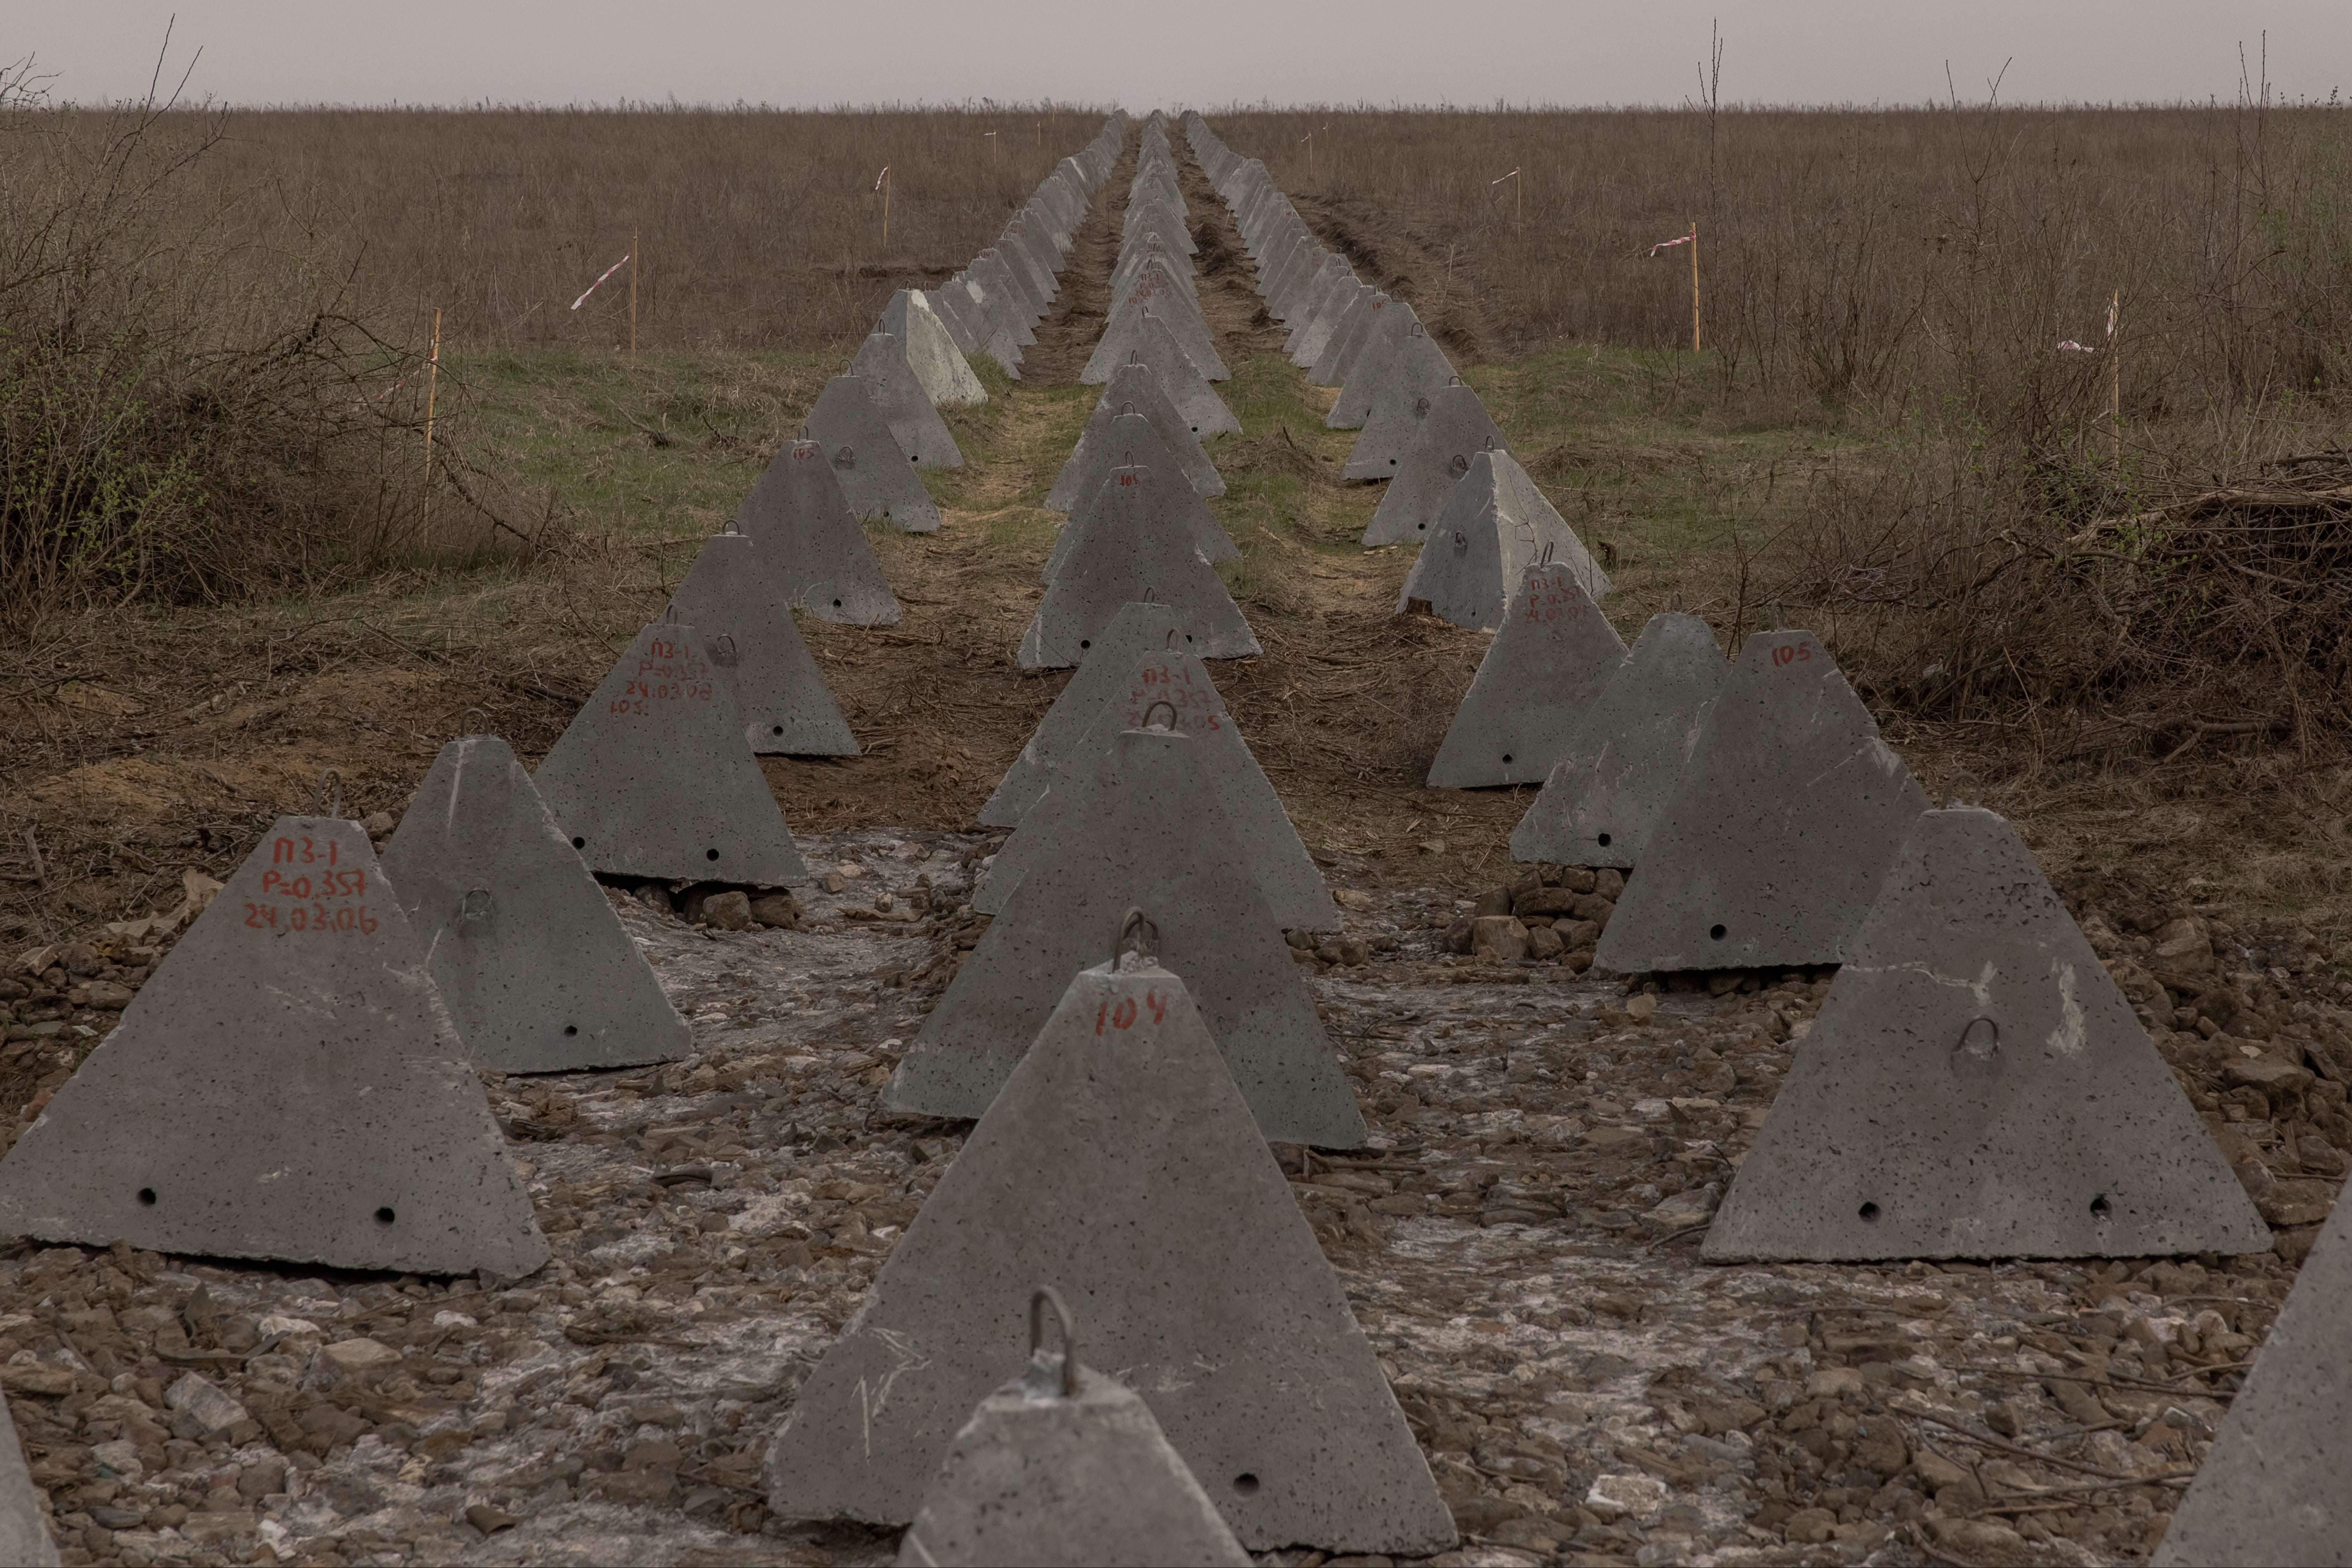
[{"x": 1196, "y": 52}]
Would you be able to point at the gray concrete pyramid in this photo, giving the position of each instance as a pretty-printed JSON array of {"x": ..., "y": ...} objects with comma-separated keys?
[
  {"x": 1155, "y": 290},
  {"x": 653, "y": 779},
  {"x": 1456, "y": 429},
  {"x": 24, "y": 1538},
  {"x": 1548, "y": 662},
  {"x": 877, "y": 480},
  {"x": 1491, "y": 527},
  {"x": 1016, "y": 301},
  {"x": 1336, "y": 319},
  {"x": 537, "y": 971},
  {"x": 1131, "y": 441},
  {"x": 1977, "y": 1086},
  {"x": 1627, "y": 751},
  {"x": 814, "y": 549},
  {"x": 1260, "y": 827},
  {"x": 1135, "y": 543},
  {"x": 1065, "y": 1468},
  {"x": 986, "y": 316},
  {"x": 905, "y": 404},
  {"x": 930, "y": 350},
  {"x": 1401, "y": 387},
  {"x": 1780, "y": 830},
  {"x": 787, "y": 710},
  {"x": 1159, "y": 838},
  {"x": 949, "y": 315},
  {"x": 1203, "y": 411},
  {"x": 1102, "y": 675},
  {"x": 1133, "y": 390},
  {"x": 1369, "y": 327},
  {"x": 1122, "y": 1165},
  {"x": 287, "y": 1085},
  {"x": 2272, "y": 1488}
]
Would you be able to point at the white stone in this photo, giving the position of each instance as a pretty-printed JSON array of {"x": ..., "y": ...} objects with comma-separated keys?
[{"x": 209, "y": 1404}]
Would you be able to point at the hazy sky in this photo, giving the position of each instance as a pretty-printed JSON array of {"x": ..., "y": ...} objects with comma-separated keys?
[{"x": 1196, "y": 52}]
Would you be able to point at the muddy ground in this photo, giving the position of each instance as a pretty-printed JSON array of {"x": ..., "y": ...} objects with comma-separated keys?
[{"x": 1519, "y": 1240}]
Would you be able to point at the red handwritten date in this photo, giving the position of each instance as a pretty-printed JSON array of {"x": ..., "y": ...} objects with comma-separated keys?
[
  {"x": 1555, "y": 597},
  {"x": 307, "y": 891},
  {"x": 670, "y": 673}
]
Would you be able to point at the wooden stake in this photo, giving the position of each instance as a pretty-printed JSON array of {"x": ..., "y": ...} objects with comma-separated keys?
[
  {"x": 992, "y": 147},
  {"x": 2116, "y": 377},
  {"x": 1693, "y": 285},
  {"x": 431, "y": 385},
  {"x": 633, "y": 293},
  {"x": 886, "y": 209}
]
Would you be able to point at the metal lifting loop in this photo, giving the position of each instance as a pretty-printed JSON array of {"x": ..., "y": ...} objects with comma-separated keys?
[
  {"x": 467, "y": 726},
  {"x": 1134, "y": 920},
  {"x": 1966, "y": 791},
  {"x": 1545, "y": 559},
  {"x": 321, "y": 804},
  {"x": 1675, "y": 600},
  {"x": 1039, "y": 1299},
  {"x": 1155, "y": 707},
  {"x": 475, "y": 906}
]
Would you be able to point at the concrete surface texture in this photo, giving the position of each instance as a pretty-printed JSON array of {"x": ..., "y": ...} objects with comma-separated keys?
[
  {"x": 652, "y": 778},
  {"x": 787, "y": 710},
  {"x": 287, "y": 1086},
  {"x": 1121, "y": 1163},
  {"x": 1172, "y": 687},
  {"x": 1549, "y": 659},
  {"x": 814, "y": 546},
  {"x": 1779, "y": 831},
  {"x": 1135, "y": 546},
  {"x": 1157, "y": 838},
  {"x": 1977, "y": 1086},
  {"x": 532, "y": 964},
  {"x": 1627, "y": 752},
  {"x": 877, "y": 480}
]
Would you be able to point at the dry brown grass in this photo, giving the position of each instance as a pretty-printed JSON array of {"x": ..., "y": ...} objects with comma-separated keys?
[{"x": 758, "y": 228}]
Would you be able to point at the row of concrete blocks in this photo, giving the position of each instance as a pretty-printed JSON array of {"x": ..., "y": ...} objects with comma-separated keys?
[
  {"x": 1660, "y": 754},
  {"x": 992, "y": 305},
  {"x": 880, "y": 422}
]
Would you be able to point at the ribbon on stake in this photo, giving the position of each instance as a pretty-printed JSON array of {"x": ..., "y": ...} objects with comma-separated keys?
[
  {"x": 886, "y": 172},
  {"x": 599, "y": 282},
  {"x": 1670, "y": 244},
  {"x": 2071, "y": 347}
]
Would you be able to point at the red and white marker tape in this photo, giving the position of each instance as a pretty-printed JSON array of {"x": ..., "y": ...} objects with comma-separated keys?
[
  {"x": 882, "y": 176},
  {"x": 1670, "y": 244},
  {"x": 600, "y": 282}
]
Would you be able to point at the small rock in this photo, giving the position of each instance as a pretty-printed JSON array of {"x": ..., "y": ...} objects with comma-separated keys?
[
  {"x": 1543, "y": 942},
  {"x": 1498, "y": 936},
  {"x": 361, "y": 1354},
  {"x": 1494, "y": 901},
  {"x": 1641, "y": 1008},
  {"x": 488, "y": 1520},
  {"x": 1683, "y": 1210},
  {"x": 1831, "y": 1381},
  {"x": 1352, "y": 898},
  {"x": 204, "y": 1402},
  {"x": 1625, "y": 1492},
  {"x": 1609, "y": 882},
  {"x": 2273, "y": 1075},
  {"x": 728, "y": 911},
  {"x": 376, "y": 824},
  {"x": 778, "y": 910},
  {"x": 832, "y": 881},
  {"x": 1809, "y": 1526}
]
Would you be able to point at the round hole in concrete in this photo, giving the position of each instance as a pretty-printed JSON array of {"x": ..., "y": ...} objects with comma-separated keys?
[
  {"x": 1245, "y": 1484},
  {"x": 1870, "y": 1213},
  {"x": 385, "y": 1217},
  {"x": 1507, "y": 757},
  {"x": 2100, "y": 1208},
  {"x": 711, "y": 854},
  {"x": 1602, "y": 841},
  {"x": 570, "y": 1029},
  {"x": 1715, "y": 932},
  {"x": 579, "y": 843},
  {"x": 1086, "y": 643},
  {"x": 776, "y": 730},
  {"x": 146, "y": 1197}
]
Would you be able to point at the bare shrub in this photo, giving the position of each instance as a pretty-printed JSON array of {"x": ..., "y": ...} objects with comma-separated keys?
[{"x": 180, "y": 417}]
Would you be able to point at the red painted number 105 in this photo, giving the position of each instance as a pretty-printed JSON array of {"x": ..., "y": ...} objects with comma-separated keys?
[{"x": 1792, "y": 653}]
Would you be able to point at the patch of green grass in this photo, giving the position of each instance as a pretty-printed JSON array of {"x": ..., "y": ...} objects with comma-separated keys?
[{"x": 663, "y": 445}]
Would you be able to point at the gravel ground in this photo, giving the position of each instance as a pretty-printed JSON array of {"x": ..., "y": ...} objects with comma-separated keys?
[{"x": 1521, "y": 1243}]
